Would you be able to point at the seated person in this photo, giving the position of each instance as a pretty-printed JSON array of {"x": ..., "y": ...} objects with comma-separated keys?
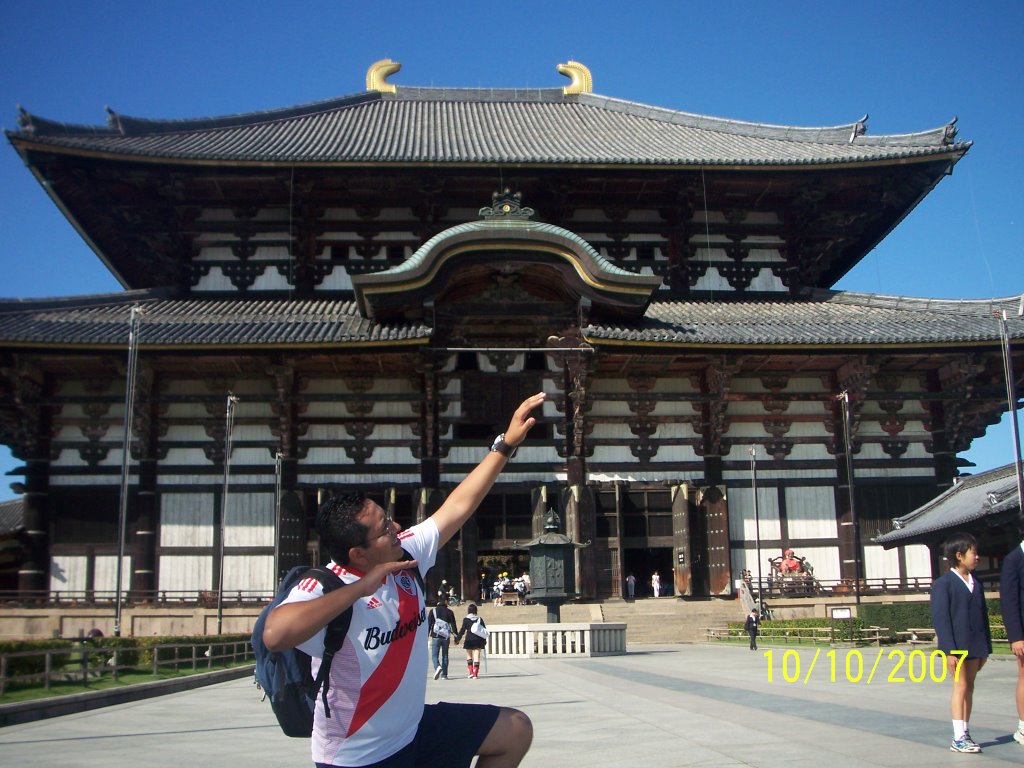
[{"x": 790, "y": 563}]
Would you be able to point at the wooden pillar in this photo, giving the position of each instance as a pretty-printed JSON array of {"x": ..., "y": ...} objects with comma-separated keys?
[
  {"x": 143, "y": 511},
  {"x": 290, "y": 522},
  {"x": 681, "y": 539},
  {"x": 30, "y": 441},
  {"x": 469, "y": 539},
  {"x": 34, "y": 574},
  {"x": 142, "y": 536},
  {"x": 578, "y": 512}
]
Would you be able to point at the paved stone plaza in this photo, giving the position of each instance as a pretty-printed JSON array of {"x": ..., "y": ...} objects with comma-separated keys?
[{"x": 657, "y": 706}]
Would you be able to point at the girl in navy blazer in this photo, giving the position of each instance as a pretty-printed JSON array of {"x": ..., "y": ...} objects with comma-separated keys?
[{"x": 961, "y": 624}]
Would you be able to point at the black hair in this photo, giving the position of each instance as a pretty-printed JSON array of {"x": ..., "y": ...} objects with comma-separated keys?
[
  {"x": 338, "y": 526},
  {"x": 442, "y": 601},
  {"x": 471, "y": 608},
  {"x": 958, "y": 543}
]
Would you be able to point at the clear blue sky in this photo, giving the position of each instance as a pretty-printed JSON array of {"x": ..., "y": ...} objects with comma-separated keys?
[{"x": 909, "y": 65}]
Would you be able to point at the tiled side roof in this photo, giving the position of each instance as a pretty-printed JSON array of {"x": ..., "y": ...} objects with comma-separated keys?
[
  {"x": 839, "y": 318},
  {"x": 102, "y": 321},
  {"x": 974, "y": 497},
  {"x": 12, "y": 516},
  {"x": 439, "y": 125},
  {"x": 830, "y": 318}
]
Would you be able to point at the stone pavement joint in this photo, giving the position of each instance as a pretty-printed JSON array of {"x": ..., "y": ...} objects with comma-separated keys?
[{"x": 657, "y": 706}]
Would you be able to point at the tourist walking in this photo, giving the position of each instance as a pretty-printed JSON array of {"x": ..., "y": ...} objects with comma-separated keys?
[
  {"x": 475, "y": 642},
  {"x": 441, "y": 625},
  {"x": 751, "y": 627}
]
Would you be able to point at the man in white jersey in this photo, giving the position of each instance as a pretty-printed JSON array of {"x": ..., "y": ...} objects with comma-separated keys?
[{"x": 378, "y": 677}]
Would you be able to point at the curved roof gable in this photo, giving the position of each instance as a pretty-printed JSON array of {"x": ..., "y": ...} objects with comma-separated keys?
[{"x": 505, "y": 243}]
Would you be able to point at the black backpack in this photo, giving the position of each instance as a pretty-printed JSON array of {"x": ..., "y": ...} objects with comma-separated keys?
[{"x": 285, "y": 676}]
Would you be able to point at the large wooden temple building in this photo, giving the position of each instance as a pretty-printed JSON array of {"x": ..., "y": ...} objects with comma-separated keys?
[{"x": 359, "y": 291}]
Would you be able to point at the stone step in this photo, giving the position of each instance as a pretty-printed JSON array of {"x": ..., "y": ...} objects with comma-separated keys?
[{"x": 653, "y": 620}]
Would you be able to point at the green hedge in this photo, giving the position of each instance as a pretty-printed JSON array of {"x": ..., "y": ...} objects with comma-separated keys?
[
  {"x": 845, "y": 630},
  {"x": 899, "y": 617}
]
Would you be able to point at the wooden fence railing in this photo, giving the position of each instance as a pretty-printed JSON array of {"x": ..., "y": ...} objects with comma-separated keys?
[{"x": 85, "y": 663}]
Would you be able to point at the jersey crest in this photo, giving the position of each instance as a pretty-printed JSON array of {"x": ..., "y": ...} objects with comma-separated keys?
[{"x": 406, "y": 584}]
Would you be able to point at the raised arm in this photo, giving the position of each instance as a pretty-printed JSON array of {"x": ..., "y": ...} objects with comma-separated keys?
[{"x": 464, "y": 500}]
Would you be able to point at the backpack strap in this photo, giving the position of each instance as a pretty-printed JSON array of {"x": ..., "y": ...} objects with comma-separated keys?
[{"x": 337, "y": 628}]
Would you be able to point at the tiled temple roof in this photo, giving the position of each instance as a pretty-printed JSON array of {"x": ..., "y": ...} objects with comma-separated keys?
[
  {"x": 445, "y": 125},
  {"x": 828, "y": 319},
  {"x": 986, "y": 494}
]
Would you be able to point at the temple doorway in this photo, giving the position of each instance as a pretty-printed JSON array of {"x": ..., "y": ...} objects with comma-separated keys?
[{"x": 643, "y": 564}]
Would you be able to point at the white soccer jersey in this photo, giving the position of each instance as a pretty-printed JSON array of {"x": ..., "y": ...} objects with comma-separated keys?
[{"x": 379, "y": 675}]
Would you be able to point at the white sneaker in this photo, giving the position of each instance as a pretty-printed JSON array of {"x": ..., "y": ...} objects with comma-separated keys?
[
  {"x": 1018, "y": 736},
  {"x": 437, "y": 673}
]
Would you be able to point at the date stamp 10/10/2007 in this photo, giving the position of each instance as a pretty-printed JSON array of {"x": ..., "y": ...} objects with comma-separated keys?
[{"x": 914, "y": 667}]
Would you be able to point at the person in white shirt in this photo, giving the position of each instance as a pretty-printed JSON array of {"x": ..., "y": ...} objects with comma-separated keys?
[{"x": 378, "y": 676}]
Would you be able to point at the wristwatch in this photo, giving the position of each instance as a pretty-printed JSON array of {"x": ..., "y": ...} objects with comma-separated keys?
[{"x": 500, "y": 446}]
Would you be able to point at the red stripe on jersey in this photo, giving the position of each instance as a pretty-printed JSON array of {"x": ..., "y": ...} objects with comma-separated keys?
[
  {"x": 385, "y": 679},
  {"x": 308, "y": 584},
  {"x": 402, "y": 535}
]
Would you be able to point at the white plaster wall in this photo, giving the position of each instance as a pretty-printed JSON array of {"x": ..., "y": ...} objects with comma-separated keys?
[
  {"x": 741, "y": 513},
  {"x": 918, "y": 561},
  {"x": 811, "y": 512},
  {"x": 67, "y": 573},
  {"x": 320, "y": 456},
  {"x": 824, "y": 560},
  {"x": 105, "y": 574},
  {"x": 185, "y": 573},
  {"x": 186, "y": 520},
  {"x": 338, "y": 280},
  {"x": 880, "y": 563},
  {"x": 250, "y": 520},
  {"x": 179, "y": 457},
  {"x": 247, "y": 573},
  {"x": 92, "y": 481}
]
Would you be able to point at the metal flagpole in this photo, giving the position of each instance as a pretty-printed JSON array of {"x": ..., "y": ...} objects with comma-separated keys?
[
  {"x": 229, "y": 418},
  {"x": 277, "y": 516},
  {"x": 757, "y": 528},
  {"x": 126, "y": 455},
  {"x": 1011, "y": 402},
  {"x": 845, "y": 399}
]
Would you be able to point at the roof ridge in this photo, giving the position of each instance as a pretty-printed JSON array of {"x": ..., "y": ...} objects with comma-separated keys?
[
  {"x": 87, "y": 300},
  {"x": 894, "y": 301},
  {"x": 126, "y": 125}
]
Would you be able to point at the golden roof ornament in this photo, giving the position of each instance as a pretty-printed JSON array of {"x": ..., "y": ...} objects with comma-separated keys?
[
  {"x": 579, "y": 75},
  {"x": 378, "y": 73}
]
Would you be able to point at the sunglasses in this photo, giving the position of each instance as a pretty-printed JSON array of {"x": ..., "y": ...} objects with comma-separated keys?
[{"x": 386, "y": 531}]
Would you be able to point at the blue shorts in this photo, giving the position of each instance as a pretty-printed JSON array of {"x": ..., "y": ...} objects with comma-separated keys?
[{"x": 448, "y": 736}]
